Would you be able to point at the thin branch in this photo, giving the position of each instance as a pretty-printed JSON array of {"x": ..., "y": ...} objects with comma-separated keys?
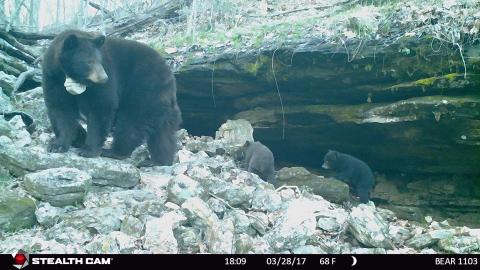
[
  {"x": 213, "y": 95},
  {"x": 102, "y": 9},
  {"x": 322, "y": 7},
  {"x": 279, "y": 95}
]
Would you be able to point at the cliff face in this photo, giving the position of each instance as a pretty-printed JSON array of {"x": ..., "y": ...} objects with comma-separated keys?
[
  {"x": 406, "y": 109},
  {"x": 402, "y": 108}
]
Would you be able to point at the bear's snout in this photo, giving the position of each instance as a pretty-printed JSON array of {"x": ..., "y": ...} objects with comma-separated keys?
[{"x": 98, "y": 74}]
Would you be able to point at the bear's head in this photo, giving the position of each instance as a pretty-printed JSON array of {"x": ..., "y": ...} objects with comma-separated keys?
[
  {"x": 239, "y": 154},
  {"x": 81, "y": 59},
  {"x": 330, "y": 160}
]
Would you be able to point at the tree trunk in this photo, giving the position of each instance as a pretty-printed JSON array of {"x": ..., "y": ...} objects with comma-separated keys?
[
  {"x": 57, "y": 15},
  {"x": 33, "y": 15},
  {"x": 2, "y": 14},
  {"x": 14, "y": 19}
]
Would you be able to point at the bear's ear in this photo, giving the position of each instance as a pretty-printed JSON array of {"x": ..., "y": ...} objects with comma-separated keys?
[
  {"x": 247, "y": 143},
  {"x": 70, "y": 42},
  {"x": 98, "y": 41}
]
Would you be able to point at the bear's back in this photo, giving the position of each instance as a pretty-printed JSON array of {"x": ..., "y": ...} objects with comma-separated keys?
[{"x": 361, "y": 169}]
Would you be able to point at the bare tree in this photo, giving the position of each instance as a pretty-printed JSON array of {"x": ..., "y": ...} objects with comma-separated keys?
[
  {"x": 15, "y": 18},
  {"x": 3, "y": 20},
  {"x": 33, "y": 14},
  {"x": 57, "y": 15}
]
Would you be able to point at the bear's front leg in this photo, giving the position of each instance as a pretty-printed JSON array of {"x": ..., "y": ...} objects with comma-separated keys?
[
  {"x": 63, "y": 114},
  {"x": 98, "y": 126},
  {"x": 364, "y": 195},
  {"x": 344, "y": 175}
]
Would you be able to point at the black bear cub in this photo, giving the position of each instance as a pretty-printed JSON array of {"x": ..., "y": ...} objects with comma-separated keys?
[
  {"x": 353, "y": 171},
  {"x": 259, "y": 160},
  {"x": 126, "y": 85}
]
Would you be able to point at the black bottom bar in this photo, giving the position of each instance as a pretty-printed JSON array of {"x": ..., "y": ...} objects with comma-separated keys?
[{"x": 210, "y": 261}]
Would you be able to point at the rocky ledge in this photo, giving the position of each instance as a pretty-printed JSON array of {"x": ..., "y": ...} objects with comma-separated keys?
[{"x": 204, "y": 203}]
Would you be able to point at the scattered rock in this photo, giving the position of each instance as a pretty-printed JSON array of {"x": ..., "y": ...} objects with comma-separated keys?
[
  {"x": 243, "y": 243},
  {"x": 189, "y": 239},
  {"x": 19, "y": 134},
  {"x": 266, "y": 200},
  {"x": 205, "y": 204},
  {"x": 329, "y": 188},
  {"x": 5, "y": 128},
  {"x": 241, "y": 221},
  {"x": 115, "y": 242},
  {"x": 182, "y": 187},
  {"x": 197, "y": 211},
  {"x": 259, "y": 221},
  {"x": 48, "y": 215},
  {"x": 217, "y": 206},
  {"x": 234, "y": 133},
  {"x": 82, "y": 225},
  {"x": 32, "y": 103},
  {"x": 368, "y": 227},
  {"x": 332, "y": 220},
  {"x": 430, "y": 238},
  {"x": 156, "y": 183},
  {"x": 219, "y": 237},
  {"x": 460, "y": 244},
  {"x": 234, "y": 194},
  {"x": 132, "y": 226},
  {"x": 308, "y": 249},
  {"x": 58, "y": 186},
  {"x": 16, "y": 211},
  {"x": 104, "y": 171},
  {"x": 369, "y": 251},
  {"x": 159, "y": 237},
  {"x": 294, "y": 227}
]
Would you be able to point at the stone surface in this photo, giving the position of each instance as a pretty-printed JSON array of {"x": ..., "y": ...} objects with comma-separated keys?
[
  {"x": 460, "y": 244},
  {"x": 59, "y": 186},
  {"x": 132, "y": 226},
  {"x": 331, "y": 189},
  {"x": 368, "y": 227},
  {"x": 220, "y": 237},
  {"x": 48, "y": 215},
  {"x": 114, "y": 242},
  {"x": 430, "y": 238},
  {"x": 104, "y": 171},
  {"x": 207, "y": 204},
  {"x": 294, "y": 227},
  {"x": 82, "y": 225},
  {"x": 182, "y": 187},
  {"x": 235, "y": 132},
  {"x": 159, "y": 237},
  {"x": 16, "y": 211},
  {"x": 266, "y": 200}
]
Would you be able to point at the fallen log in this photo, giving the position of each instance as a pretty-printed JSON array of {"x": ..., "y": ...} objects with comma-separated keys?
[
  {"x": 102, "y": 9},
  {"x": 164, "y": 11},
  {"x": 15, "y": 52},
  {"x": 11, "y": 39},
  {"x": 31, "y": 36},
  {"x": 22, "y": 78}
]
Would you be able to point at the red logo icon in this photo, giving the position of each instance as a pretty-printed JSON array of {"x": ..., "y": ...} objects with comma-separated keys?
[{"x": 20, "y": 260}]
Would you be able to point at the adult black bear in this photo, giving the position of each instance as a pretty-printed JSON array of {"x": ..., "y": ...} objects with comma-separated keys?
[
  {"x": 353, "y": 171},
  {"x": 259, "y": 160},
  {"x": 128, "y": 85}
]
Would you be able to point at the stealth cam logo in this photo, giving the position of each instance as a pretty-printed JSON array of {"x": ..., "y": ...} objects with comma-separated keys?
[{"x": 20, "y": 260}]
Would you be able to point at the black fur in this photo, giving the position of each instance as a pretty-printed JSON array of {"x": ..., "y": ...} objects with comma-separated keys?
[
  {"x": 353, "y": 171},
  {"x": 259, "y": 160},
  {"x": 139, "y": 94}
]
